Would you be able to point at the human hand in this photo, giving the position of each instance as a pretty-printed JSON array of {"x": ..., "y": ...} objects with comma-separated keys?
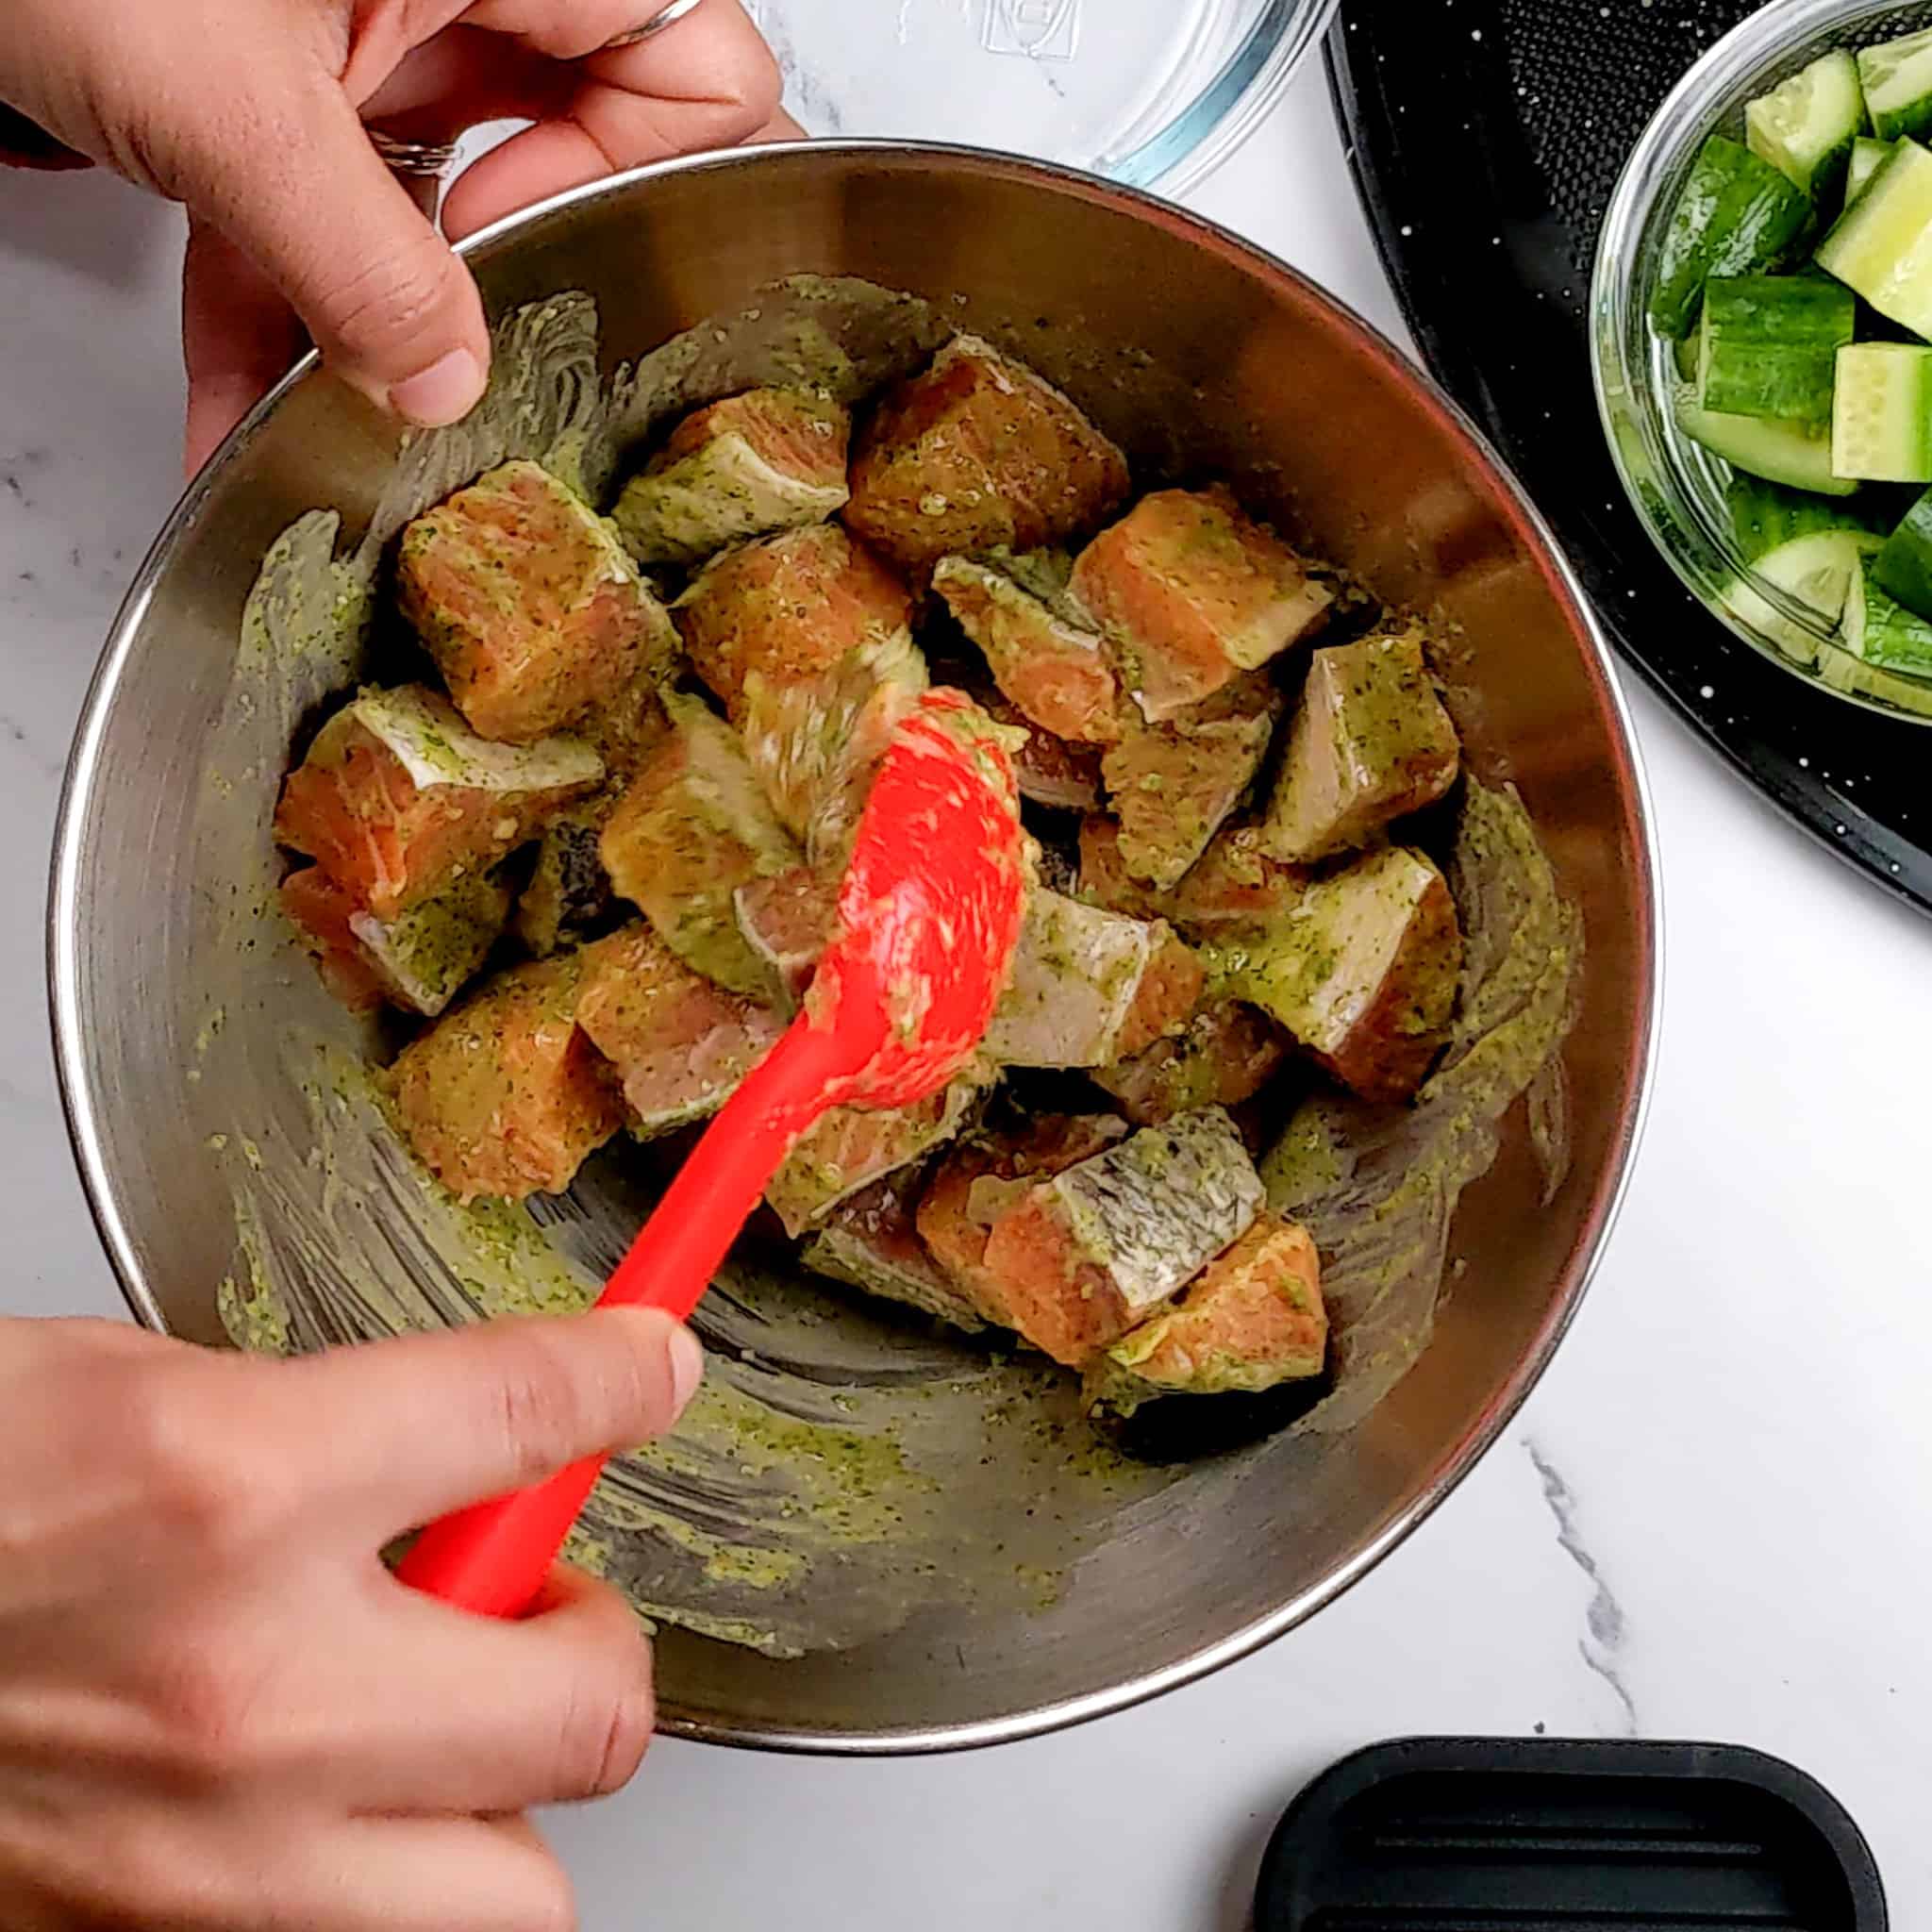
[
  {"x": 252, "y": 113},
  {"x": 218, "y": 1711}
]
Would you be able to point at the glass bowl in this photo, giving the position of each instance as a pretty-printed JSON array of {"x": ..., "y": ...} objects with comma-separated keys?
[
  {"x": 1138, "y": 91},
  {"x": 1676, "y": 486}
]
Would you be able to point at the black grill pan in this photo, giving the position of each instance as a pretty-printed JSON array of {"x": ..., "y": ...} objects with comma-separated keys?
[{"x": 1486, "y": 137}]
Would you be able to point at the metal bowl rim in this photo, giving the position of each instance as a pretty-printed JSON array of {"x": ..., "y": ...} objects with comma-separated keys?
[{"x": 82, "y": 1108}]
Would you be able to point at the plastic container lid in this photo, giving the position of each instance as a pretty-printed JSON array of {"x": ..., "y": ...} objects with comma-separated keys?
[
  {"x": 1142, "y": 90},
  {"x": 1566, "y": 1835}
]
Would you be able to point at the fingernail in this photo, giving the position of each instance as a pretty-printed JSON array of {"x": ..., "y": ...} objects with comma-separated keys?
[
  {"x": 444, "y": 392},
  {"x": 686, "y": 1366}
]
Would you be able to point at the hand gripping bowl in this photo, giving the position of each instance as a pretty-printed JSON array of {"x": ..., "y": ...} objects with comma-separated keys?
[{"x": 981, "y": 1574}]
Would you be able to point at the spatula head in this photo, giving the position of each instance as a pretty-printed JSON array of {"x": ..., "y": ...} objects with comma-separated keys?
[{"x": 930, "y": 912}]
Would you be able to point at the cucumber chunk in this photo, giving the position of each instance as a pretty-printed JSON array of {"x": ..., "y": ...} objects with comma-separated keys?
[
  {"x": 1816, "y": 571},
  {"x": 1736, "y": 216},
  {"x": 1905, "y": 565},
  {"x": 1868, "y": 156},
  {"x": 1770, "y": 343},
  {"x": 1844, "y": 671},
  {"x": 1897, "y": 79},
  {"x": 1882, "y": 244},
  {"x": 1766, "y": 517},
  {"x": 1805, "y": 128},
  {"x": 1794, "y": 454},
  {"x": 1881, "y": 631},
  {"x": 1881, "y": 423}
]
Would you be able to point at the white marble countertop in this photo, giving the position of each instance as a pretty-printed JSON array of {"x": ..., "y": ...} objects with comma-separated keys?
[{"x": 1710, "y": 1522}]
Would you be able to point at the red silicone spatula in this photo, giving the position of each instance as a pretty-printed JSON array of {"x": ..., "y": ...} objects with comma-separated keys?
[{"x": 928, "y": 918}]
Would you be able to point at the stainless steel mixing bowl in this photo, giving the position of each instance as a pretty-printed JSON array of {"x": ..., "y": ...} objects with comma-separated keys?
[{"x": 1198, "y": 352}]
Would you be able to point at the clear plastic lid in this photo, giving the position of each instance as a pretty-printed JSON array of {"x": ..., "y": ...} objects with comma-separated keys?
[{"x": 1142, "y": 91}]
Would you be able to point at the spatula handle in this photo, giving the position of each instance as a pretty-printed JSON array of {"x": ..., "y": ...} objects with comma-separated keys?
[{"x": 493, "y": 1558}]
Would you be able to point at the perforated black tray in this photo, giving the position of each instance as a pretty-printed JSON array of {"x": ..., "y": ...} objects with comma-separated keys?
[
  {"x": 1554, "y": 1834},
  {"x": 1486, "y": 137}
]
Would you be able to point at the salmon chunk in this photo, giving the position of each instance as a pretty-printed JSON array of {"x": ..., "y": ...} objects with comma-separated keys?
[
  {"x": 1167, "y": 995},
  {"x": 1086, "y": 1256},
  {"x": 852, "y": 1147},
  {"x": 398, "y": 796},
  {"x": 624, "y": 731},
  {"x": 1189, "y": 592},
  {"x": 321, "y": 912},
  {"x": 425, "y": 957},
  {"x": 504, "y": 1096},
  {"x": 1088, "y": 986},
  {"x": 1174, "y": 786},
  {"x": 1253, "y": 1321},
  {"x": 1362, "y": 973},
  {"x": 1056, "y": 673},
  {"x": 691, "y": 829},
  {"x": 1370, "y": 743},
  {"x": 1236, "y": 886},
  {"x": 529, "y": 605},
  {"x": 981, "y": 1178},
  {"x": 977, "y": 454},
  {"x": 753, "y": 465},
  {"x": 1226, "y": 1054},
  {"x": 871, "y": 1243},
  {"x": 679, "y": 1043},
  {"x": 789, "y": 607},
  {"x": 787, "y": 920}
]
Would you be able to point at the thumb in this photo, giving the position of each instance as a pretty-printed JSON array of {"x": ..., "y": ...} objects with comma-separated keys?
[
  {"x": 299, "y": 189},
  {"x": 415, "y": 1427}
]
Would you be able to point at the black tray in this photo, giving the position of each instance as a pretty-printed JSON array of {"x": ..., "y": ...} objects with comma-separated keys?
[
  {"x": 1486, "y": 137},
  {"x": 1554, "y": 1834}
]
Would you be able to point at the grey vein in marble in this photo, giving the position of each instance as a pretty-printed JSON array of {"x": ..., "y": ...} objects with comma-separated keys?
[
  {"x": 1601, "y": 1646},
  {"x": 14, "y": 464}
]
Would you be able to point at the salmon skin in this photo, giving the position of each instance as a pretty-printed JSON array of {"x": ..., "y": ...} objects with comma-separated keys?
[
  {"x": 1086, "y": 1255},
  {"x": 1051, "y": 771},
  {"x": 852, "y": 1147},
  {"x": 816, "y": 742},
  {"x": 568, "y": 892},
  {"x": 787, "y": 920}
]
